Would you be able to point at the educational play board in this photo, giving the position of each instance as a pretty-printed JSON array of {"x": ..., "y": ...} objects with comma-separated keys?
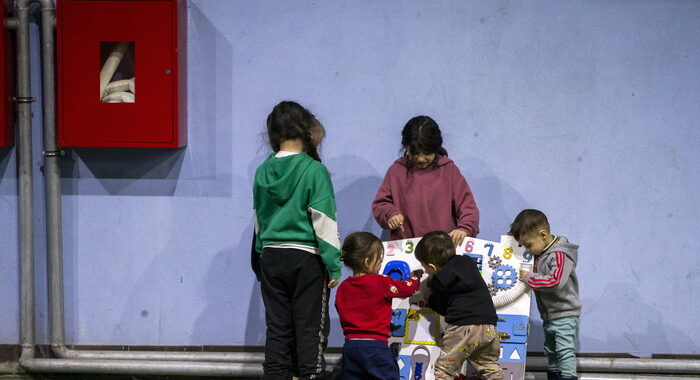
[{"x": 416, "y": 328}]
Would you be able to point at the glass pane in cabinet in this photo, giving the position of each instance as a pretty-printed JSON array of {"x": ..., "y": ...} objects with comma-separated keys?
[{"x": 117, "y": 72}]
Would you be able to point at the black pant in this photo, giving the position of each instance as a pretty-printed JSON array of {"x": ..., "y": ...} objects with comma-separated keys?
[{"x": 295, "y": 292}]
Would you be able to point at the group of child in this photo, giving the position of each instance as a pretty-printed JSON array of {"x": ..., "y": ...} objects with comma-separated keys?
[{"x": 423, "y": 195}]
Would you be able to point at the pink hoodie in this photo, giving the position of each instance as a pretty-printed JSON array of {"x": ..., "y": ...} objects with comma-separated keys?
[{"x": 435, "y": 198}]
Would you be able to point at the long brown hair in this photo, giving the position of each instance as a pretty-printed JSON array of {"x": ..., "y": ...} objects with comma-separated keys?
[{"x": 290, "y": 121}]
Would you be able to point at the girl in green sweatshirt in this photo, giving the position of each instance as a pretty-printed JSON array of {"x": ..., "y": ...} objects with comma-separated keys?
[{"x": 296, "y": 235}]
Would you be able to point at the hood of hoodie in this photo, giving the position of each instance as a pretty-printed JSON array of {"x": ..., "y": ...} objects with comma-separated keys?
[
  {"x": 563, "y": 245},
  {"x": 439, "y": 161},
  {"x": 279, "y": 176}
]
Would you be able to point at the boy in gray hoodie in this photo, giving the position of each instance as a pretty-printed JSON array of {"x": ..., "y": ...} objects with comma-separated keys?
[{"x": 556, "y": 289}]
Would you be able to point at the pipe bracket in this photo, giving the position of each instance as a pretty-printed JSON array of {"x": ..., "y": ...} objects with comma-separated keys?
[
  {"x": 54, "y": 153},
  {"x": 22, "y": 99}
]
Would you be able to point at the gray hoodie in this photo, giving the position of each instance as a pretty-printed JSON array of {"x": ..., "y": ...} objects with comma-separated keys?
[{"x": 554, "y": 281}]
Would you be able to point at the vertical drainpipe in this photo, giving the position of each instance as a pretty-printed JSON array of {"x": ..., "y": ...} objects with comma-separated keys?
[
  {"x": 52, "y": 175},
  {"x": 25, "y": 182}
]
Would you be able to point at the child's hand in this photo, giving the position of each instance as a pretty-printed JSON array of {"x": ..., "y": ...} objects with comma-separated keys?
[
  {"x": 395, "y": 222},
  {"x": 333, "y": 282},
  {"x": 523, "y": 274},
  {"x": 458, "y": 236},
  {"x": 417, "y": 273}
]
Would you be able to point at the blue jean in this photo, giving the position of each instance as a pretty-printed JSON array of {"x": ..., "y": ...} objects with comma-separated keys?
[
  {"x": 560, "y": 336},
  {"x": 369, "y": 360}
]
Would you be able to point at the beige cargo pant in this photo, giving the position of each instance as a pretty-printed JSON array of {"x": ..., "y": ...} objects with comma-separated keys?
[{"x": 479, "y": 344}]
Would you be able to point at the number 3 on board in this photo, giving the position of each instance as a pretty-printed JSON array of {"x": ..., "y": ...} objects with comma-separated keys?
[{"x": 409, "y": 247}]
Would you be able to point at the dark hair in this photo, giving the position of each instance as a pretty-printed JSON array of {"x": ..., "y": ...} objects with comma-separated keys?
[
  {"x": 359, "y": 246},
  {"x": 435, "y": 248},
  {"x": 528, "y": 221},
  {"x": 289, "y": 121},
  {"x": 422, "y": 134}
]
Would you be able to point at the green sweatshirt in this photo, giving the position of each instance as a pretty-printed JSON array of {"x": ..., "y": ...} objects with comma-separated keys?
[{"x": 294, "y": 203}]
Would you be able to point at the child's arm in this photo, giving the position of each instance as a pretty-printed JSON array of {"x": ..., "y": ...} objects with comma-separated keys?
[
  {"x": 383, "y": 207},
  {"x": 255, "y": 258},
  {"x": 323, "y": 218},
  {"x": 257, "y": 243},
  {"x": 556, "y": 278},
  {"x": 438, "y": 302},
  {"x": 464, "y": 204},
  {"x": 256, "y": 248},
  {"x": 396, "y": 288}
]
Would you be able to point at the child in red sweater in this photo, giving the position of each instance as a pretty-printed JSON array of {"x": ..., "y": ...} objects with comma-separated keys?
[{"x": 363, "y": 302}]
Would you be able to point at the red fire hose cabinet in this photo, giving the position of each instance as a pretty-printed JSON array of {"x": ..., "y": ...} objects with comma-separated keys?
[{"x": 121, "y": 68}]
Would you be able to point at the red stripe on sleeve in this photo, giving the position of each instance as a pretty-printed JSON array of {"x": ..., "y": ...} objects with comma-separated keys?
[{"x": 555, "y": 278}]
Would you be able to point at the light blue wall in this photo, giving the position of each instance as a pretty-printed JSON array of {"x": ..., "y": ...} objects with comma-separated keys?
[{"x": 586, "y": 110}]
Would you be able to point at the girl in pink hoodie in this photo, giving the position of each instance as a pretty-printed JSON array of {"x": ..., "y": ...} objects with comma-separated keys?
[{"x": 424, "y": 190}]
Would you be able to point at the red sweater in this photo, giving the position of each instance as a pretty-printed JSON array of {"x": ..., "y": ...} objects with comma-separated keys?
[
  {"x": 364, "y": 304},
  {"x": 435, "y": 198}
]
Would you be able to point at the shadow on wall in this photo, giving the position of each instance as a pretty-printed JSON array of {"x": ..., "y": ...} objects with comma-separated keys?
[
  {"x": 355, "y": 186},
  {"x": 498, "y": 202},
  {"x": 255, "y": 319},
  {"x": 121, "y": 171},
  {"x": 7, "y": 178},
  {"x": 658, "y": 329},
  {"x": 181, "y": 304},
  {"x": 642, "y": 339},
  {"x": 223, "y": 304}
]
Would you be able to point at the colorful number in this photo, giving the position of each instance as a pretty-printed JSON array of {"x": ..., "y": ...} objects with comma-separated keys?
[
  {"x": 470, "y": 246},
  {"x": 490, "y": 247},
  {"x": 507, "y": 253},
  {"x": 527, "y": 257},
  {"x": 409, "y": 247},
  {"x": 390, "y": 248}
]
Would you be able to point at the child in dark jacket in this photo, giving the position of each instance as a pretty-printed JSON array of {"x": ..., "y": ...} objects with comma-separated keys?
[
  {"x": 556, "y": 289},
  {"x": 459, "y": 293},
  {"x": 364, "y": 306},
  {"x": 424, "y": 190}
]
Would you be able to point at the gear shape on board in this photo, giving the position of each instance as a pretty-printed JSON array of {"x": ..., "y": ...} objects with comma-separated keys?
[
  {"x": 504, "y": 277},
  {"x": 493, "y": 290},
  {"x": 494, "y": 262}
]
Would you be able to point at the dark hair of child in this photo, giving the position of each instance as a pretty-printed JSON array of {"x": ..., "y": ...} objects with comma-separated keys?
[
  {"x": 435, "y": 248},
  {"x": 359, "y": 246},
  {"x": 422, "y": 134},
  {"x": 290, "y": 121},
  {"x": 528, "y": 221}
]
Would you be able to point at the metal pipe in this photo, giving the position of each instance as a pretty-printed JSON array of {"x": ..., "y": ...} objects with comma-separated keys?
[
  {"x": 534, "y": 363},
  {"x": 627, "y": 365},
  {"x": 25, "y": 183},
  {"x": 52, "y": 176},
  {"x": 629, "y": 376},
  {"x": 610, "y": 376},
  {"x": 136, "y": 367},
  {"x": 237, "y": 357}
]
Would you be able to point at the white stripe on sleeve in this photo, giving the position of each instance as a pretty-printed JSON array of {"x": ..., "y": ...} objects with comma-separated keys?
[
  {"x": 326, "y": 228},
  {"x": 255, "y": 220}
]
